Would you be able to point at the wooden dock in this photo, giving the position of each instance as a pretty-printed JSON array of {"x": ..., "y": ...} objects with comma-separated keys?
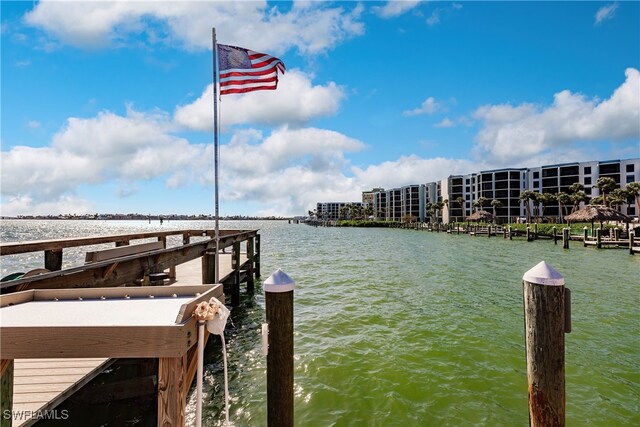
[{"x": 39, "y": 385}]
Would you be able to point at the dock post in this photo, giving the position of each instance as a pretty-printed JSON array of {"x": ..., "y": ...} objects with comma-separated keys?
[
  {"x": 489, "y": 230},
  {"x": 6, "y": 392},
  {"x": 250, "y": 254},
  {"x": 256, "y": 264},
  {"x": 510, "y": 231},
  {"x": 598, "y": 238},
  {"x": 235, "y": 265},
  {"x": 616, "y": 234},
  {"x": 53, "y": 259},
  {"x": 529, "y": 234},
  {"x": 584, "y": 235},
  {"x": 209, "y": 267},
  {"x": 544, "y": 310},
  {"x": 278, "y": 290},
  {"x": 535, "y": 231},
  {"x": 171, "y": 391},
  {"x": 631, "y": 236},
  {"x": 565, "y": 237},
  {"x": 555, "y": 235}
]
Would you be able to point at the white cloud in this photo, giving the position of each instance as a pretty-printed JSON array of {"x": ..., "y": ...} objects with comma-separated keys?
[
  {"x": 26, "y": 205},
  {"x": 411, "y": 170},
  {"x": 445, "y": 123},
  {"x": 33, "y": 124},
  {"x": 295, "y": 102},
  {"x": 94, "y": 150},
  {"x": 434, "y": 18},
  {"x": 395, "y": 8},
  {"x": 311, "y": 28},
  {"x": 511, "y": 133},
  {"x": 429, "y": 106},
  {"x": 605, "y": 13}
]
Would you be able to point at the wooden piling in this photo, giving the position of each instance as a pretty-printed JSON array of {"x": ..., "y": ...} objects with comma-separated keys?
[
  {"x": 171, "y": 391},
  {"x": 544, "y": 309},
  {"x": 256, "y": 263},
  {"x": 510, "y": 233},
  {"x": 6, "y": 392},
  {"x": 250, "y": 255},
  {"x": 598, "y": 238},
  {"x": 631, "y": 238},
  {"x": 279, "y": 311},
  {"x": 53, "y": 259},
  {"x": 555, "y": 235},
  {"x": 565, "y": 237},
  {"x": 535, "y": 231},
  {"x": 584, "y": 235},
  {"x": 529, "y": 234},
  {"x": 235, "y": 265}
]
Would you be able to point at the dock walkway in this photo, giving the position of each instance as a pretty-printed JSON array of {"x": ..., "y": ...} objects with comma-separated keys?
[{"x": 42, "y": 384}]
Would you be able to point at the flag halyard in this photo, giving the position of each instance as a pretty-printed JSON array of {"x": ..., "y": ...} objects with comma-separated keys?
[{"x": 243, "y": 70}]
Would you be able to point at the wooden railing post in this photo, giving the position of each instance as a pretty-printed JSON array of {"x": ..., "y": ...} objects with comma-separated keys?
[
  {"x": 250, "y": 255},
  {"x": 544, "y": 310},
  {"x": 209, "y": 267},
  {"x": 6, "y": 392},
  {"x": 279, "y": 311},
  {"x": 53, "y": 259}
]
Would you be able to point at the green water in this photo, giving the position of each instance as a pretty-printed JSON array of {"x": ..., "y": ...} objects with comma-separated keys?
[{"x": 407, "y": 328}]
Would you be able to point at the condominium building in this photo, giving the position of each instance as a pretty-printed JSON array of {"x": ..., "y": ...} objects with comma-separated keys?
[
  {"x": 500, "y": 186},
  {"x": 332, "y": 211}
]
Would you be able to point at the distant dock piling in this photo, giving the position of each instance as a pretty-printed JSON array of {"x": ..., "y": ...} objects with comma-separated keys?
[{"x": 545, "y": 326}]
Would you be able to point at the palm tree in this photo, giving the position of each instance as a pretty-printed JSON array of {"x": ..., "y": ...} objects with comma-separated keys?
[
  {"x": 545, "y": 199},
  {"x": 495, "y": 203},
  {"x": 525, "y": 197},
  {"x": 618, "y": 197},
  {"x": 605, "y": 185},
  {"x": 577, "y": 198},
  {"x": 575, "y": 187},
  {"x": 633, "y": 189},
  {"x": 563, "y": 200}
]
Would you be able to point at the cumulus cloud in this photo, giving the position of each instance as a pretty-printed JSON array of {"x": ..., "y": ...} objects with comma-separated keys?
[
  {"x": 429, "y": 106},
  {"x": 395, "y": 8},
  {"x": 298, "y": 164},
  {"x": 445, "y": 123},
  {"x": 311, "y": 28},
  {"x": 605, "y": 13},
  {"x": 90, "y": 151},
  {"x": 510, "y": 133},
  {"x": 26, "y": 205},
  {"x": 411, "y": 170},
  {"x": 296, "y": 102}
]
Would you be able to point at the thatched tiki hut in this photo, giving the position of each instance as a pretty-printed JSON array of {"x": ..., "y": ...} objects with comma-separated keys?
[
  {"x": 480, "y": 216},
  {"x": 600, "y": 213}
]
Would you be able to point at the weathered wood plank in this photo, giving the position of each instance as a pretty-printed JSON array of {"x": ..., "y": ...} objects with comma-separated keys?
[
  {"x": 94, "y": 256},
  {"x": 171, "y": 384}
]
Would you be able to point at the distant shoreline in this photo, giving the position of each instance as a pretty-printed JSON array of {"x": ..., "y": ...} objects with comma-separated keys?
[{"x": 116, "y": 217}]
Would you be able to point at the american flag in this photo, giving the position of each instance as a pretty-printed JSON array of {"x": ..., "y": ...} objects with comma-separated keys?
[{"x": 243, "y": 70}]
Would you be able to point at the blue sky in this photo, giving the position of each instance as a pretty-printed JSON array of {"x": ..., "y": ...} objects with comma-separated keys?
[{"x": 107, "y": 106}]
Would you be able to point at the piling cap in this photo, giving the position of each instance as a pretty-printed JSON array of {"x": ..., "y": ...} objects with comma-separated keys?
[
  {"x": 544, "y": 274},
  {"x": 279, "y": 281}
]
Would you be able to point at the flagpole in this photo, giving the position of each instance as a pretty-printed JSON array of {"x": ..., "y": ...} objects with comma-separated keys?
[{"x": 216, "y": 154}]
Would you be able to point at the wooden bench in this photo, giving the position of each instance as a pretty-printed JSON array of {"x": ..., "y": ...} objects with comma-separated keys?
[{"x": 121, "y": 251}]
